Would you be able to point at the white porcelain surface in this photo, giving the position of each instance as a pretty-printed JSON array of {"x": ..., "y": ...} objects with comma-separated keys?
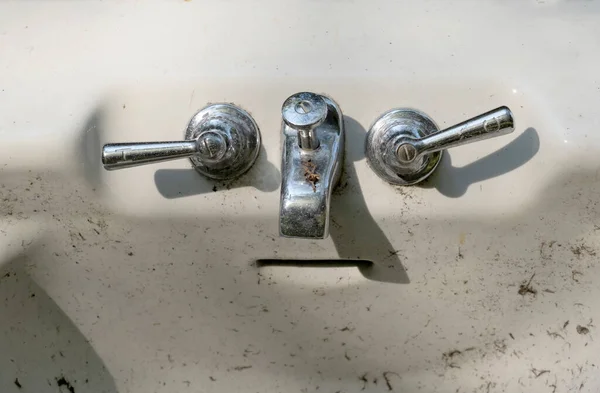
[{"x": 145, "y": 280}]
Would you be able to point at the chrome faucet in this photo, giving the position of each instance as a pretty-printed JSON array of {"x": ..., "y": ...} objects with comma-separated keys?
[{"x": 313, "y": 155}]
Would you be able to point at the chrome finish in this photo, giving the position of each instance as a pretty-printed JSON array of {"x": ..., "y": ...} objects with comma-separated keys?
[
  {"x": 313, "y": 154},
  {"x": 305, "y": 112},
  {"x": 125, "y": 155},
  {"x": 404, "y": 146},
  {"x": 222, "y": 141}
]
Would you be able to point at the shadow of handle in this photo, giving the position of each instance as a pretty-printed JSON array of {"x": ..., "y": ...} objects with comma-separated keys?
[
  {"x": 453, "y": 182},
  {"x": 179, "y": 183}
]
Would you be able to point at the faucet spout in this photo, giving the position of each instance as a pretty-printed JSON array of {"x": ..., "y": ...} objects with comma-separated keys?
[{"x": 313, "y": 156}]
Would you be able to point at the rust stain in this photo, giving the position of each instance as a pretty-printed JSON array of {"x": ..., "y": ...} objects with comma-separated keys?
[{"x": 310, "y": 175}]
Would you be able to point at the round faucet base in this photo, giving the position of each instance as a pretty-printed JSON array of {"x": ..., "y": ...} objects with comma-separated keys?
[
  {"x": 388, "y": 154},
  {"x": 228, "y": 141}
]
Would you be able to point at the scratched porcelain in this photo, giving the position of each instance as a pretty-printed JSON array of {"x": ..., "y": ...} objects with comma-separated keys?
[{"x": 157, "y": 279}]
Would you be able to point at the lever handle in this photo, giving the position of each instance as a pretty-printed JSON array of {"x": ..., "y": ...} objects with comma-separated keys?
[
  {"x": 404, "y": 146},
  {"x": 126, "y": 155},
  {"x": 491, "y": 124},
  {"x": 221, "y": 140}
]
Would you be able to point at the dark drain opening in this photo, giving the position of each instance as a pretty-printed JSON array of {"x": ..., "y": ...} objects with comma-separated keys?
[
  {"x": 315, "y": 263},
  {"x": 391, "y": 272}
]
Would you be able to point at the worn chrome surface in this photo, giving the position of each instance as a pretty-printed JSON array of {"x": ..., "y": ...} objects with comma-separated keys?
[
  {"x": 222, "y": 141},
  {"x": 305, "y": 112},
  {"x": 126, "y": 155},
  {"x": 404, "y": 146},
  {"x": 309, "y": 174}
]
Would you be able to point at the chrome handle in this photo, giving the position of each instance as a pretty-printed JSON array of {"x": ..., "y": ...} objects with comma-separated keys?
[
  {"x": 221, "y": 140},
  {"x": 126, "y": 155},
  {"x": 404, "y": 146},
  {"x": 488, "y": 125}
]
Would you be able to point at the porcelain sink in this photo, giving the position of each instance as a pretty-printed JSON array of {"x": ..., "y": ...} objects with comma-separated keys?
[{"x": 156, "y": 279}]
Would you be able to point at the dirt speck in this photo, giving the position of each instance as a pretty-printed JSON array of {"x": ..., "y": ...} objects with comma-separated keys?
[
  {"x": 538, "y": 373},
  {"x": 500, "y": 345},
  {"x": 386, "y": 376},
  {"x": 554, "y": 334},
  {"x": 582, "y": 329},
  {"x": 17, "y": 383},
  {"x": 62, "y": 381},
  {"x": 393, "y": 253},
  {"x": 364, "y": 380},
  {"x": 546, "y": 249},
  {"x": 449, "y": 356},
  {"x": 581, "y": 249},
  {"x": 214, "y": 188},
  {"x": 212, "y": 378},
  {"x": 526, "y": 287},
  {"x": 240, "y": 368}
]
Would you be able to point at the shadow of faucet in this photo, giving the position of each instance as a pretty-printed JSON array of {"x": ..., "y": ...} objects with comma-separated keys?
[
  {"x": 178, "y": 183},
  {"x": 453, "y": 182},
  {"x": 355, "y": 233}
]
